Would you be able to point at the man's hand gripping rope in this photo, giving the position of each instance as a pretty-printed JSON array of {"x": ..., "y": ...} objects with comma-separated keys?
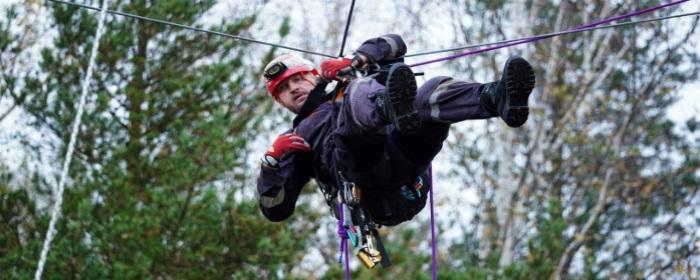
[{"x": 343, "y": 69}]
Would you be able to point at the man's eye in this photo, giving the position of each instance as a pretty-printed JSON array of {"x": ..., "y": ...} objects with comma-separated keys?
[{"x": 282, "y": 88}]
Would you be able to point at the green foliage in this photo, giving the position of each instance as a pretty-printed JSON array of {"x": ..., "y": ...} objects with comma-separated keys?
[
  {"x": 545, "y": 247},
  {"x": 285, "y": 27},
  {"x": 12, "y": 44},
  {"x": 5, "y": 36},
  {"x": 170, "y": 113},
  {"x": 599, "y": 124}
]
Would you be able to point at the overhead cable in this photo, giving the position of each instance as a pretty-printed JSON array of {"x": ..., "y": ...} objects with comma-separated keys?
[
  {"x": 236, "y": 37},
  {"x": 347, "y": 27},
  {"x": 585, "y": 27},
  {"x": 553, "y": 34}
]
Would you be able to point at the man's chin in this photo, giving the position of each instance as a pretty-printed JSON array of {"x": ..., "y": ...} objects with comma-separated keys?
[
  {"x": 297, "y": 106},
  {"x": 300, "y": 102}
]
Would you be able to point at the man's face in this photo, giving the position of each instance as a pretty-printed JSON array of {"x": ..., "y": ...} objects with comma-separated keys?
[{"x": 292, "y": 92}]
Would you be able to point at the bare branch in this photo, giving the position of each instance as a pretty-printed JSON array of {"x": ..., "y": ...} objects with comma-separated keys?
[{"x": 582, "y": 235}]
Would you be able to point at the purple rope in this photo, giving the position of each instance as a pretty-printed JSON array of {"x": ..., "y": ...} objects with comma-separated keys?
[
  {"x": 433, "y": 238},
  {"x": 537, "y": 38},
  {"x": 343, "y": 234}
]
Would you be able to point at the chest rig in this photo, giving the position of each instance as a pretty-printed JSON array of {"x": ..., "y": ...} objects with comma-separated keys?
[{"x": 343, "y": 196}]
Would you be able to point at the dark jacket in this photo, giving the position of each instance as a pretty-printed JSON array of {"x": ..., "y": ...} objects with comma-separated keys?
[{"x": 279, "y": 188}]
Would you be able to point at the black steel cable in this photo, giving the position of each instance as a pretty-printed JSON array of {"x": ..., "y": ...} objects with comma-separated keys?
[
  {"x": 192, "y": 28},
  {"x": 347, "y": 27},
  {"x": 553, "y": 34},
  {"x": 541, "y": 36}
]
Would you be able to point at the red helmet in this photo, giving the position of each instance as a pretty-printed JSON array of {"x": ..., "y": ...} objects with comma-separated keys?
[{"x": 283, "y": 67}]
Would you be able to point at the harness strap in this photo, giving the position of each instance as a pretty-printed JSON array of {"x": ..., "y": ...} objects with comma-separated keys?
[{"x": 386, "y": 262}]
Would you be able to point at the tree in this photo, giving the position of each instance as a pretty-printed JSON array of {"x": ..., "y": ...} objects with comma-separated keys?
[
  {"x": 599, "y": 176},
  {"x": 155, "y": 184},
  {"x": 13, "y": 58},
  {"x": 17, "y": 208}
]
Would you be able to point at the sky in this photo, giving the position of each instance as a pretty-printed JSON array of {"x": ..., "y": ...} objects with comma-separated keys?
[{"x": 689, "y": 103}]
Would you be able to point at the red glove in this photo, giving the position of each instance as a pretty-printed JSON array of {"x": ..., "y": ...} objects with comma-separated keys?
[
  {"x": 284, "y": 144},
  {"x": 331, "y": 67}
]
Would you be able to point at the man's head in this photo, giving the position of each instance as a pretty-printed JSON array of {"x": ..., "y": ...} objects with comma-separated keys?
[{"x": 289, "y": 80}]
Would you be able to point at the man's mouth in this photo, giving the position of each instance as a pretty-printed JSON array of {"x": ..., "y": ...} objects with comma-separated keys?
[{"x": 301, "y": 98}]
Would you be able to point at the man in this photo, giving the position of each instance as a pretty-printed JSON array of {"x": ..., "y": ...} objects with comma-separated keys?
[{"x": 382, "y": 135}]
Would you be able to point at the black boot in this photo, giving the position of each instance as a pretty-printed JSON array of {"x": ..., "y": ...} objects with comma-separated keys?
[
  {"x": 396, "y": 104},
  {"x": 508, "y": 96}
]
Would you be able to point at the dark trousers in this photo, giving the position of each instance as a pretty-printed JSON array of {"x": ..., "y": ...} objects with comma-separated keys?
[{"x": 370, "y": 151}]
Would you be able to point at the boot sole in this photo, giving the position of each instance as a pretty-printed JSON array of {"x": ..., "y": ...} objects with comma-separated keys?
[
  {"x": 401, "y": 92},
  {"x": 520, "y": 80}
]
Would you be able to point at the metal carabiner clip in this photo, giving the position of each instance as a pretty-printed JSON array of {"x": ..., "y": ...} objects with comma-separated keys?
[{"x": 369, "y": 256}]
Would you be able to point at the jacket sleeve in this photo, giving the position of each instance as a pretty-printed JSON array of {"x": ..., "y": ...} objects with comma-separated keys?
[
  {"x": 279, "y": 188},
  {"x": 385, "y": 47}
]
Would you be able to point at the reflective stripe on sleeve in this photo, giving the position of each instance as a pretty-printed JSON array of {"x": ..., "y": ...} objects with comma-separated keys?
[
  {"x": 269, "y": 202},
  {"x": 392, "y": 45}
]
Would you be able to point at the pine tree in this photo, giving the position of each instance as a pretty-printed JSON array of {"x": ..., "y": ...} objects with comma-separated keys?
[
  {"x": 12, "y": 44},
  {"x": 159, "y": 164}
]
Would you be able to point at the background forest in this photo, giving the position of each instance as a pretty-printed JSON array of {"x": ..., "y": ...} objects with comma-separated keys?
[{"x": 602, "y": 182}]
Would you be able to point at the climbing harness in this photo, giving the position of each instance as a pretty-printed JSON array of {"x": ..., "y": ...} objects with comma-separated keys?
[
  {"x": 354, "y": 221},
  {"x": 350, "y": 202}
]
